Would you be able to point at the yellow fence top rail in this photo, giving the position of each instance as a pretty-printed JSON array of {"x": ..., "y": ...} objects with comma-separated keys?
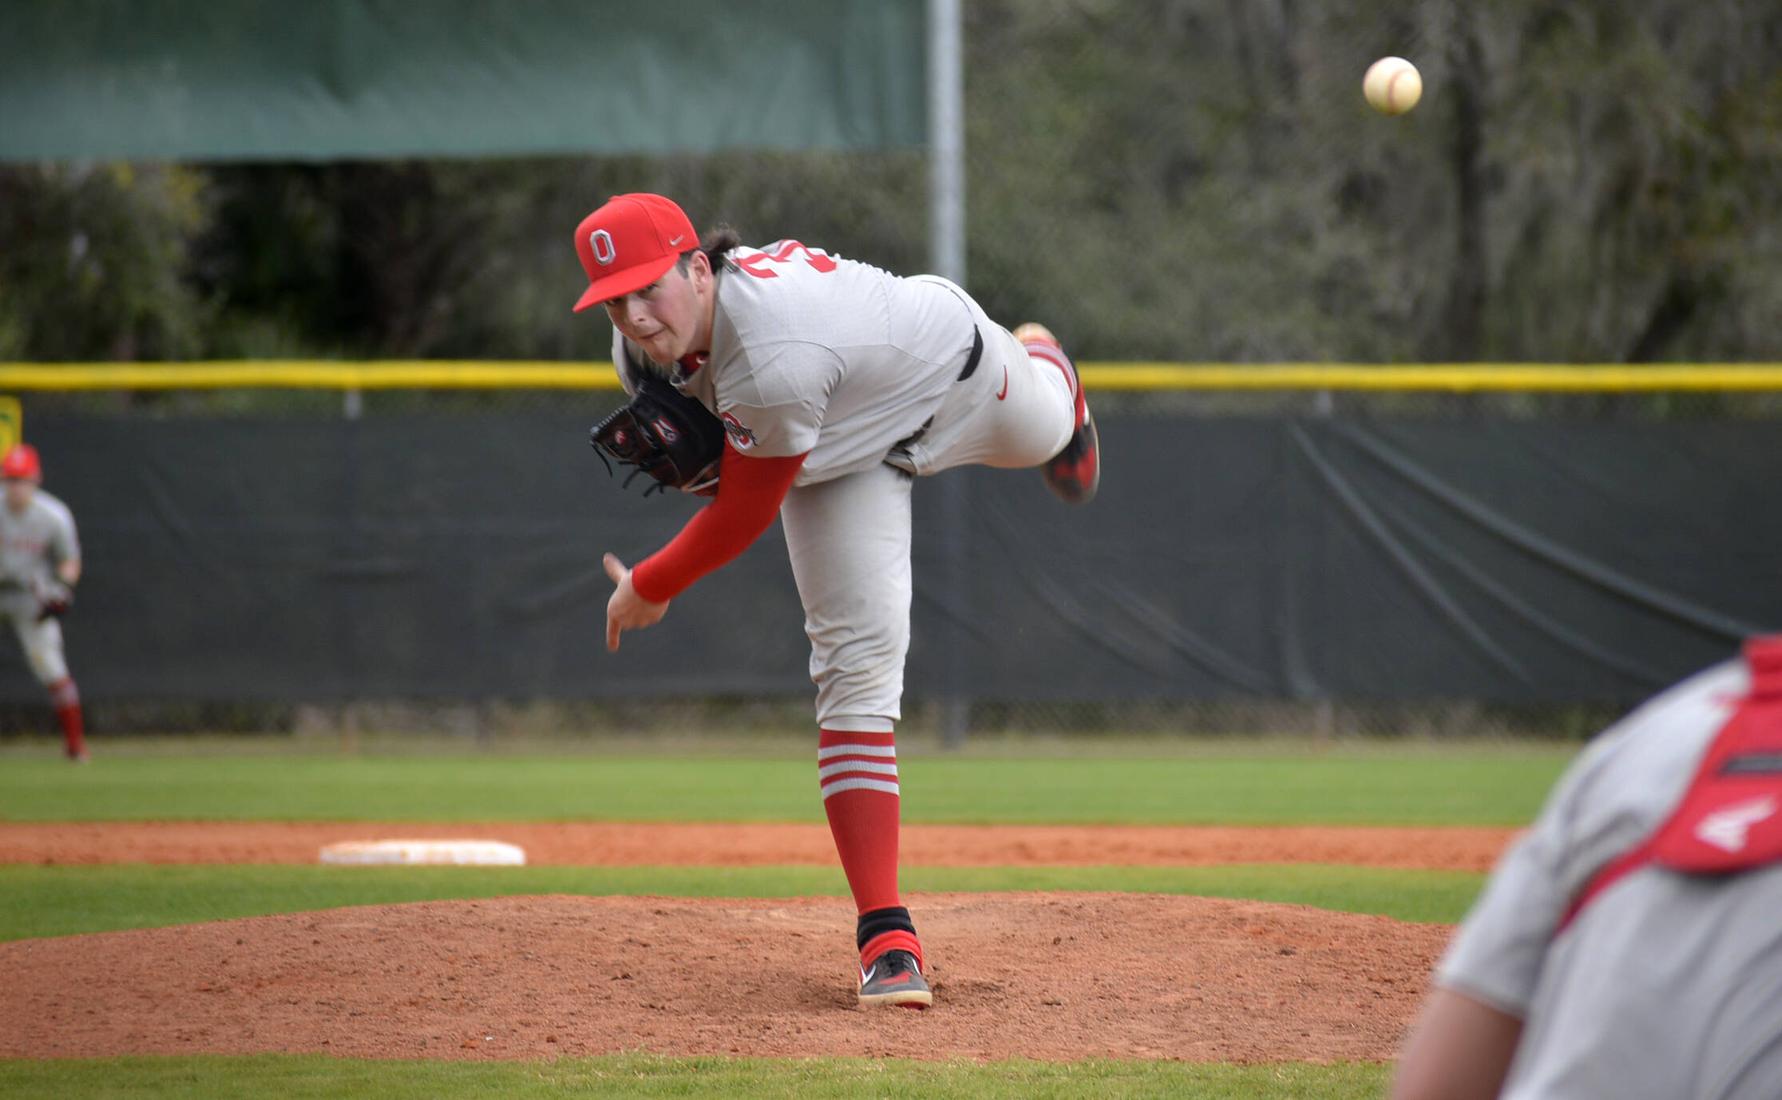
[
  {"x": 544, "y": 374},
  {"x": 222, "y": 374},
  {"x": 1453, "y": 377}
]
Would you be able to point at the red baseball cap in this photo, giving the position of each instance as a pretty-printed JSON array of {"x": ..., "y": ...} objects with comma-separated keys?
[
  {"x": 21, "y": 462},
  {"x": 629, "y": 243}
]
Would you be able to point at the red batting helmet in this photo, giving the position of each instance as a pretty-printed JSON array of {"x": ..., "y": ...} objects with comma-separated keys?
[{"x": 21, "y": 462}]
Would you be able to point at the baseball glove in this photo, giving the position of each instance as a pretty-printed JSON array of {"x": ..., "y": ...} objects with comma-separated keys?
[
  {"x": 53, "y": 600},
  {"x": 665, "y": 434}
]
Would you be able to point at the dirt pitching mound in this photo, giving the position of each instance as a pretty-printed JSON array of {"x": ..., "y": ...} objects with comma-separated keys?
[{"x": 1042, "y": 976}]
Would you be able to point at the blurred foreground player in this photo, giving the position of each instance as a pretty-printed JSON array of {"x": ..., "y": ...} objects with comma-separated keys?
[
  {"x": 39, "y": 567},
  {"x": 1630, "y": 943}
]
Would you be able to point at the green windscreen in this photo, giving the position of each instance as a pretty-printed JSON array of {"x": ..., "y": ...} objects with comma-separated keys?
[{"x": 321, "y": 79}]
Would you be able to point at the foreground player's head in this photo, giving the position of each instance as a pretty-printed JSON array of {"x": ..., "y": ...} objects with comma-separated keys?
[
  {"x": 644, "y": 265},
  {"x": 22, "y": 471}
]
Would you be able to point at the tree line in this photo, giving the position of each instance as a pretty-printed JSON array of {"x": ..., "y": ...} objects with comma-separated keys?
[{"x": 1592, "y": 181}]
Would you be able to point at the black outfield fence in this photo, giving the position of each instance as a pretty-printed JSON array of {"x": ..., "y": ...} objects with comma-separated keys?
[{"x": 1322, "y": 549}]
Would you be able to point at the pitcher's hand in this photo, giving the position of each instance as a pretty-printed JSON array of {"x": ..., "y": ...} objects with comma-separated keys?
[{"x": 626, "y": 610}]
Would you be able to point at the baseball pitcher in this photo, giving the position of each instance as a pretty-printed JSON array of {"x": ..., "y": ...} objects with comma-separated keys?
[
  {"x": 833, "y": 385},
  {"x": 39, "y": 567}
]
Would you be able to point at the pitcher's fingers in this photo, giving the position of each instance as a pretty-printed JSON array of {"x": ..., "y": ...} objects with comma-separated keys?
[
  {"x": 615, "y": 569},
  {"x": 612, "y": 634}
]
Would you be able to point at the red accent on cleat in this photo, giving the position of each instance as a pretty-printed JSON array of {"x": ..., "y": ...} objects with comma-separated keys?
[
  {"x": 901, "y": 982},
  {"x": 1075, "y": 474}
]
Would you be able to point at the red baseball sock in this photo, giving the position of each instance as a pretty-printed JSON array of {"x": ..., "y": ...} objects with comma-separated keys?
[
  {"x": 858, "y": 773},
  {"x": 65, "y": 697}
]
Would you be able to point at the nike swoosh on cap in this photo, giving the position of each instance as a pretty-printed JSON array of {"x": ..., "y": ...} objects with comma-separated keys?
[{"x": 677, "y": 240}]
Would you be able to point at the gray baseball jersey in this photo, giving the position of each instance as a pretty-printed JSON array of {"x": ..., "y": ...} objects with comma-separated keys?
[
  {"x": 1666, "y": 985},
  {"x": 813, "y": 353},
  {"x": 34, "y": 542},
  {"x": 31, "y": 545}
]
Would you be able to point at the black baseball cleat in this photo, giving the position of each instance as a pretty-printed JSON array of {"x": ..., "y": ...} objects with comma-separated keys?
[
  {"x": 1074, "y": 473},
  {"x": 894, "y": 978}
]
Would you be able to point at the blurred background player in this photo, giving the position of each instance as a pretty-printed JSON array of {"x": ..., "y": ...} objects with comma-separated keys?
[
  {"x": 837, "y": 384},
  {"x": 39, "y": 567},
  {"x": 1628, "y": 944}
]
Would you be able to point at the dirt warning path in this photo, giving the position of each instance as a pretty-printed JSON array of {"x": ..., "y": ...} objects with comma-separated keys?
[
  {"x": 581, "y": 843},
  {"x": 1017, "y": 975}
]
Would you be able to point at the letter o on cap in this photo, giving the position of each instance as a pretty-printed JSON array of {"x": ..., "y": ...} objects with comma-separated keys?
[{"x": 602, "y": 243}]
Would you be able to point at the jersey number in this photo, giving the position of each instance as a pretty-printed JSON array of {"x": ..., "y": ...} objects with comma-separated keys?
[{"x": 753, "y": 263}]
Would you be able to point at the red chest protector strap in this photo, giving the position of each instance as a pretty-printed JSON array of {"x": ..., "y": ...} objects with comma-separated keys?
[{"x": 1730, "y": 818}]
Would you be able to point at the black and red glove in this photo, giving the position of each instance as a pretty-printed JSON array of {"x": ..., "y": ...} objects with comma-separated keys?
[{"x": 665, "y": 434}]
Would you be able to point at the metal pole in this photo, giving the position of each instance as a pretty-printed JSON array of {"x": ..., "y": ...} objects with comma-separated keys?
[
  {"x": 955, "y": 517},
  {"x": 1324, "y": 717},
  {"x": 946, "y": 141},
  {"x": 946, "y": 247}
]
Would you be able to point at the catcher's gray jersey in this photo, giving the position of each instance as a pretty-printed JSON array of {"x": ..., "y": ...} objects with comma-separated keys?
[
  {"x": 1666, "y": 985},
  {"x": 33, "y": 542}
]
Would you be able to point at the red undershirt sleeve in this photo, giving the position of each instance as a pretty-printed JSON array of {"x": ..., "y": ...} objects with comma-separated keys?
[{"x": 749, "y": 494}]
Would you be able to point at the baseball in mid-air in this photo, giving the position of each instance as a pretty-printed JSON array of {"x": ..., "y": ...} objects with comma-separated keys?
[{"x": 1392, "y": 85}]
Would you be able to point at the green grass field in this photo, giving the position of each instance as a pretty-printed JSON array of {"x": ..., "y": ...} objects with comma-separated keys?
[
  {"x": 1410, "y": 787},
  {"x": 1220, "y": 783},
  {"x": 59, "y": 901},
  {"x": 301, "y": 1077}
]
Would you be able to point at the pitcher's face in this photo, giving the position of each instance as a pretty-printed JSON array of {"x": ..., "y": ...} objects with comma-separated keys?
[{"x": 671, "y": 316}]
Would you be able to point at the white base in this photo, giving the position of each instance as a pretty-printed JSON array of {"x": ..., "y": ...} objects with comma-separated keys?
[{"x": 419, "y": 852}]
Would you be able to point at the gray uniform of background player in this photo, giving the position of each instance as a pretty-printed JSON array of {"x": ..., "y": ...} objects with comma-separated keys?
[
  {"x": 31, "y": 545},
  {"x": 1666, "y": 985},
  {"x": 818, "y": 354}
]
